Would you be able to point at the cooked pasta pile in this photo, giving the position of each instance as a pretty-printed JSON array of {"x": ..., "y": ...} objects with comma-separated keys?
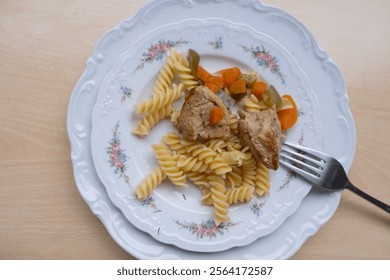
[{"x": 224, "y": 170}]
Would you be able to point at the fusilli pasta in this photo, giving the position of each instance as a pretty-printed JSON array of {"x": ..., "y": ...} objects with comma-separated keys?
[
  {"x": 233, "y": 123},
  {"x": 206, "y": 198},
  {"x": 167, "y": 72},
  {"x": 184, "y": 73},
  {"x": 168, "y": 165},
  {"x": 234, "y": 178},
  {"x": 198, "y": 178},
  {"x": 240, "y": 194},
  {"x": 219, "y": 197},
  {"x": 252, "y": 104},
  {"x": 248, "y": 168},
  {"x": 174, "y": 141},
  {"x": 209, "y": 157},
  {"x": 160, "y": 99},
  {"x": 191, "y": 164},
  {"x": 217, "y": 145},
  {"x": 149, "y": 121},
  {"x": 149, "y": 183},
  {"x": 262, "y": 179}
]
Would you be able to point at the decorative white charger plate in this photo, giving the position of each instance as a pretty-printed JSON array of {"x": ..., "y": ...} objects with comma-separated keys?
[
  {"x": 324, "y": 77},
  {"x": 122, "y": 160}
]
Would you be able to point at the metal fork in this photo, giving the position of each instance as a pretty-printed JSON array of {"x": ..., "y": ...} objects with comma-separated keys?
[{"x": 321, "y": 170}]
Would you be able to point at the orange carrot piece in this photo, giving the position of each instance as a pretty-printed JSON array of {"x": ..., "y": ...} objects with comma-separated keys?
[
  {"x": 203, "y": 74},
  {"x": 217, "y": 80},
  {"x": 216, "y": 115},
  {"x": 288, "y": 117},
  {"x": 259, "y": 88},
  {"x": 238, "y": 86},
  {"x": 230, "y": 75},
  {"x": 211, "y": 86}
]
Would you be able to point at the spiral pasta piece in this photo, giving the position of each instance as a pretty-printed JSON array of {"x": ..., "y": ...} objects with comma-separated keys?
[
  {"x": 167, "y": 72},
  {"x": 184, "y": 73},
  {"x": 217, "y": 145},
  {"x": 149, "y": 183},
  {"x": 206, "y": 198},
  {"x": 233, "y": 158},
  {"x": 198, "y": 178},
  {"x": 148, "y": 122},
  {"x": 191, "y": 164},
  {"x": 248, "y": 169},
  {"x": 219, "y": 197},
  {"x": 174, "y": 141},
  {"x": 160, "y": 99},
  {"x": 168, "y": 165},
  {"x": 240, "y": 194},
  {"x": 262, "y": 181},
  {"x": 174, "y": 116},
  {"x": 209, "y": 157},
  {"x": 233, "y": 123},
  {"x": 219, "y": 166},
  {"x": 234, "y": 178},
  {"x": 252, "y": 104},
  {"x": 233, "y": 143}
]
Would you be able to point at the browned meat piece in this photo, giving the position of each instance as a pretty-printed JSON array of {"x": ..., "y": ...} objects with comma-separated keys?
[
  {"x": 194, "y": 119},
  {"x": 261, "y": 132}
]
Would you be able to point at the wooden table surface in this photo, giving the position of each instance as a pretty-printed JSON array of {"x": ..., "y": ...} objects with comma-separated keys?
[{"x": 43, "y": 49}]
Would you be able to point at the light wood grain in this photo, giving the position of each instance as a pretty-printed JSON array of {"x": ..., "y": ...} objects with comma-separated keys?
[{"x": 43, "y": 48}]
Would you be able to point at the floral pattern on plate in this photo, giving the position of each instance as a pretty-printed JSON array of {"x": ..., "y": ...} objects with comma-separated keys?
[
  {"x": 256, "y": 208},
  {"x": 158, "y": 51},
  {"x": 206, "y": 229},
  {"x": 117, "y": 156},
  {"x": 125, "y": 93},
  {"x": 266, "y": 60},
  {"x": 150, "y": 203},
  {"x": 217, "y": 43}
]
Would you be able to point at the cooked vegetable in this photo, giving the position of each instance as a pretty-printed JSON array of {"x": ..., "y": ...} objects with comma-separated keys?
[
  {"x": 272, "y": 98},
  {"x": 288, "y": 117},
  {"x": 250, "y": 79},
  {"x": 216, "y": 80},
  {"x": 230, "y": 75},
  {"x": 238, "y": 90},
  {"x": 259, "y": 88},
  {"x": 193, "y": 60},
  {"x": 238, "y": 87},
  {"x": 286, "y": 103},
  {"x": 227, "y": 100},
  {"x": 238, "y": 84},
  {"x": 203, "y": 74},
  {"x": 211, "y": 86},
  {"x": 216, "y": 114}
]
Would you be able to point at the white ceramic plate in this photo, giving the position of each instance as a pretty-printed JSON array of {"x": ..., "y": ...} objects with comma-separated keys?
[
  {"x": 122, "y": 159},
  {"x": 326, "y": 81}
]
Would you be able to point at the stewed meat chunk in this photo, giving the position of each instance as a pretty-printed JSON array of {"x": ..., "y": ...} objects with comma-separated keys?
[{"x": 261, "y": 132}]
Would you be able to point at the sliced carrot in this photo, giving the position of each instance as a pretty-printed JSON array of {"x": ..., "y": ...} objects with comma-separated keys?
[
  {"x": 238, "y": 87},
  {"x": 259, "y": 89},
  {"x": 211, "y": 86},
  {"x": 216, "y": 80},
  {"x": 288, "y": 117},
  {"x": 216, "y": 115},
  {"x": 203, "y": 74},
  {"x": 230, "y": 75}
]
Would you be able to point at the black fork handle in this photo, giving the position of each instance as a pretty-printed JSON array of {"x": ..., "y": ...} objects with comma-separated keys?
[{"x": 368, "y": 197}]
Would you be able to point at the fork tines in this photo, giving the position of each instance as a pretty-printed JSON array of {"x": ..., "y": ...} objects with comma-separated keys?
[{"x": 307, "y": 162}]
